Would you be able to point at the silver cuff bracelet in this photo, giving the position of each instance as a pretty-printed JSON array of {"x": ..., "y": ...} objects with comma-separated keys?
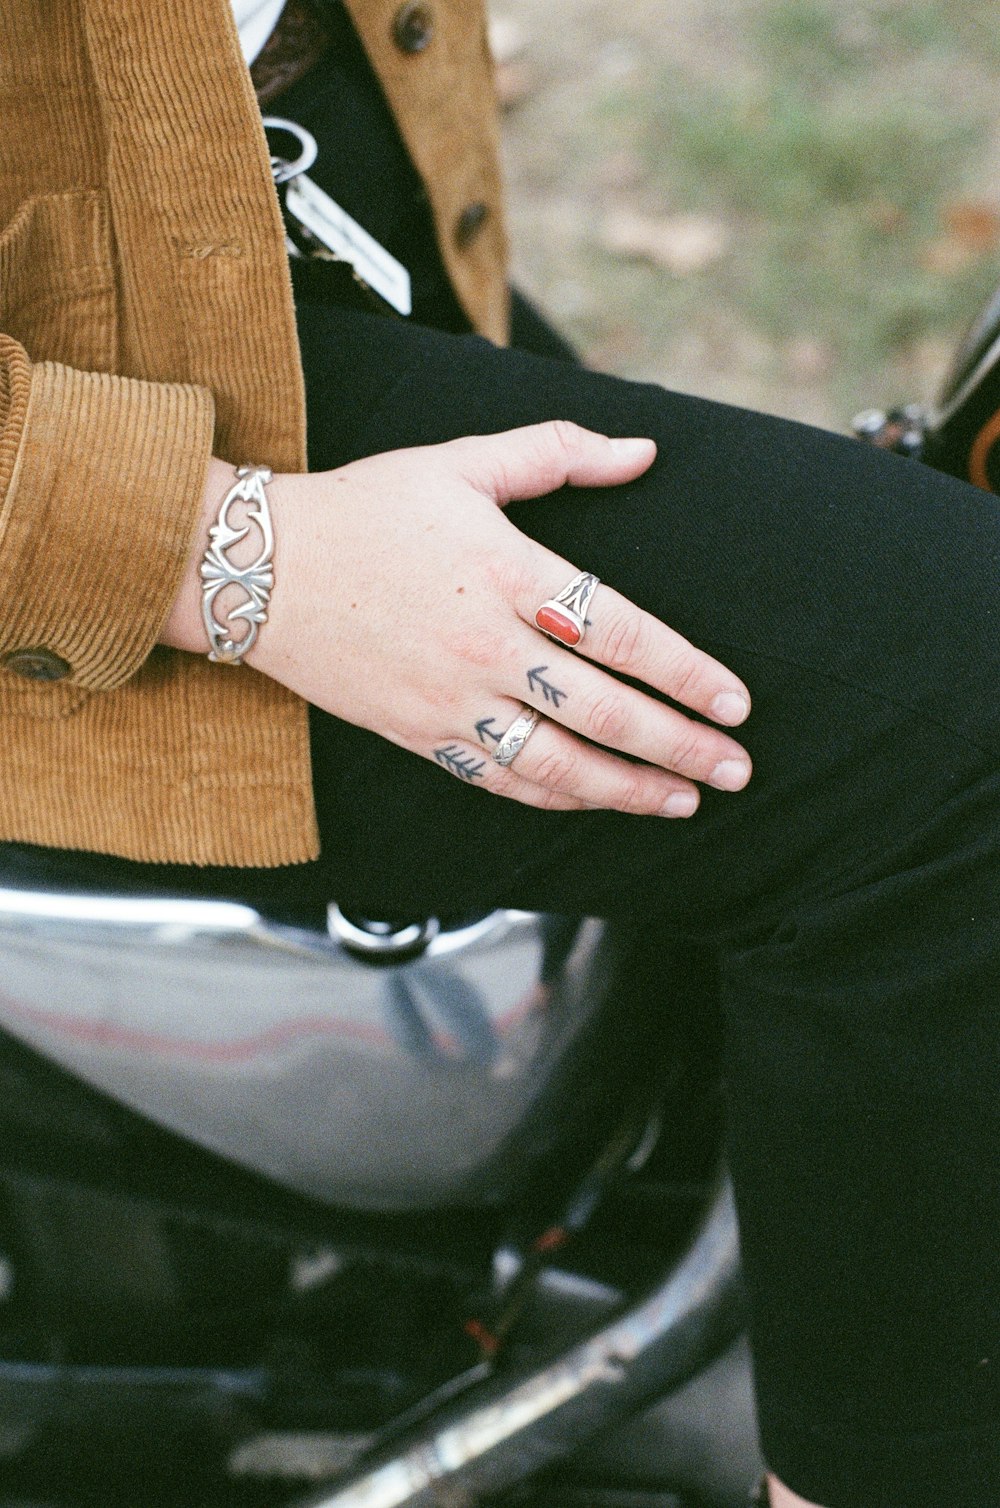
[{"x": 256, "y": 580}]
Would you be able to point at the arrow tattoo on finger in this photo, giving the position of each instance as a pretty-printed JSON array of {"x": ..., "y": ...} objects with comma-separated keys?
[
  {"x": 484, "y": 728},
  {"x": 462, "y": 764},
  {"x": 537, "y": 682}
]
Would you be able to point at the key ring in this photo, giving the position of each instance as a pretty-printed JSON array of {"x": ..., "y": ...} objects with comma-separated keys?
[
  {"x": 282, "y": 169},
  {"x": 317, "y": 228}
]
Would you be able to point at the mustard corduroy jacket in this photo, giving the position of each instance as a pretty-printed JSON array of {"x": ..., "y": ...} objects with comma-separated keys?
[{"x": 147, "y": 322}]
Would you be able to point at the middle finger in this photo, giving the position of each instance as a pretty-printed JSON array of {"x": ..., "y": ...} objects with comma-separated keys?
[
  {"x": 632, "y": 642},
  {"x": 588, "y": 700}
]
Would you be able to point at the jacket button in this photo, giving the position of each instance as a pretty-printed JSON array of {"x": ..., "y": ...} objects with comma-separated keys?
[
  {"x": 470, "y": 222},
  {"x": 413, "y": 27},
  {"x": 36, "y": 664}
]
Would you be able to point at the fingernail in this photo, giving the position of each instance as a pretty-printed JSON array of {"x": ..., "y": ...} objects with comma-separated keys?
[
  {"x": 631, "y": 450},
  {"x": 729, "y": 707},
  {"x": 730, "y": 775},
  {"x": 680, "y": 804}
]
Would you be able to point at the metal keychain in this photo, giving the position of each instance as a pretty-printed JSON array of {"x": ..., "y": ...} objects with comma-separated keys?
[
  {"x": 319, "y": 229},
  {"x": 283, "y": 170}
]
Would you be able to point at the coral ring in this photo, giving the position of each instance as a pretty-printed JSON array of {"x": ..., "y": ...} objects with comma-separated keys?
[{"x": 564, "y": 618}]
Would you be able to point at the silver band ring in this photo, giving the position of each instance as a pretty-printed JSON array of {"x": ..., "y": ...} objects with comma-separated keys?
[
  {"x": 516, "y": 736},
  {"x": 564, "y": 618}
]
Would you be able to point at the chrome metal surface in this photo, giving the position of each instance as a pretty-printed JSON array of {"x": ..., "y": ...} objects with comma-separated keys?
[
  {"x": 577, "y": 594},
  {"x": 506, "y": 1430},
  {"x": 372, "y": 939},
  {"x": 901, "y": 430},
  {"x": 283, "y": 170},
  {"x": 371, "y": 1085},
  {"x": 975, "y": 359},
  {"x": 253, "y": 580},
  {"x": 516, "y": 736}
]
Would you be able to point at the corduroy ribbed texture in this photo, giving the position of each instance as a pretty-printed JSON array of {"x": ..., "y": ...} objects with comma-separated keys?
[
  {"x": 444, "y": 103},
  {"x": 143, "y": 279},
  {"x": 76, "y": 536}
]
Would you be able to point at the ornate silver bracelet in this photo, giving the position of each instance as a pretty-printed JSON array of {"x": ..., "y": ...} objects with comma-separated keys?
[{"x": 256, "y": 580}]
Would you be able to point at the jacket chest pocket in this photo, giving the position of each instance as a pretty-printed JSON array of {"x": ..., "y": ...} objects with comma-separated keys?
[{"x": 57, "y": 281}]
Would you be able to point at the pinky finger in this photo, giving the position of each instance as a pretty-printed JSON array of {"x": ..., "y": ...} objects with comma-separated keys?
[
  {"x": 472, "y": 767},
  {"x": 542, "y": 796}
]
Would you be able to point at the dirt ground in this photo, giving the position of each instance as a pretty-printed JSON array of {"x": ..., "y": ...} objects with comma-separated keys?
[{"x": 790, "y": 204}]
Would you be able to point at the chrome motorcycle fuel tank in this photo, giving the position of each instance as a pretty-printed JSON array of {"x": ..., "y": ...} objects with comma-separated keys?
[{"x": 363, "y": 1067}]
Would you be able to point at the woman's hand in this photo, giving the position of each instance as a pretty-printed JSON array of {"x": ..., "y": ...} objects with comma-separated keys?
[{"x": 404, "y": 602}]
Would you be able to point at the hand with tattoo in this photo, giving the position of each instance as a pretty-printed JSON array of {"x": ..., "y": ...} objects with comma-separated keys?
[{"x": 404, "y": 602}]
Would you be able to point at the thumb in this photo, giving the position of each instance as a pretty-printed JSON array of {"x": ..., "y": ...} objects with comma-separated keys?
[{"x": 529, "y": 462}]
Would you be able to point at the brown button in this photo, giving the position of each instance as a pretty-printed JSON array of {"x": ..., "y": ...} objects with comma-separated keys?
[
  {"x": 413, "y": 27},
  {"x": 470, "y": 222},
  {"x": 36, "y": 664}
]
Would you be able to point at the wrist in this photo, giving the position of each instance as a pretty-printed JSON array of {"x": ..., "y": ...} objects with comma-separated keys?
[{"x": 184, "y": 628}]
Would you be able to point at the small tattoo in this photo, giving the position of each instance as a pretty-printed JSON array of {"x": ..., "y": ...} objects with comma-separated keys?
[
  {"x": 484, "y": 728},
  {"x": 537, "y": 682},
  {"x": 464, "y": 765}
]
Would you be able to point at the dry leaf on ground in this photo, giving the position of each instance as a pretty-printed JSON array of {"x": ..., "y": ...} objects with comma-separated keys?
[
  {"x": 513, "y": 76},
  {"x": 974, "y": 222},
  {"x": 681, "y": 244},
  {"x": 508, "y": 38},
  {"x": 972, "y": 231}
]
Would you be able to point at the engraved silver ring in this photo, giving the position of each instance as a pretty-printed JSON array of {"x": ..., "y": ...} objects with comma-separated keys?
[{"x": 516, "y": 736}]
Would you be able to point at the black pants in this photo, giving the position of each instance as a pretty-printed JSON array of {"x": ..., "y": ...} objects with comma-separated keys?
[{"x": 851, "y": 892}]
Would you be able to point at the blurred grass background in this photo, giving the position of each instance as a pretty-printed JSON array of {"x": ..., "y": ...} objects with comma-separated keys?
[{"x": 791, "y": 204}]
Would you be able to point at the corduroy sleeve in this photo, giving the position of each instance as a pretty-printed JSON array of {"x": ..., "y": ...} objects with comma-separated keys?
[{"x": 101, "y": 482}]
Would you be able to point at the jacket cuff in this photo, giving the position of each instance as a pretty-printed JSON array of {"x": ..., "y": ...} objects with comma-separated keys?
[{"x": 97, "y": 522}]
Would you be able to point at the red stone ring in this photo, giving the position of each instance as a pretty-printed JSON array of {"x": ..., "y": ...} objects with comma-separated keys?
[{"x": 564, "y": 618}]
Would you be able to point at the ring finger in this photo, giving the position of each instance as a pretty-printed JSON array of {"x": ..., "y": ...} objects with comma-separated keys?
[
  {"x": 555, "y": 760},
  {"x": 624, "y": 638}
]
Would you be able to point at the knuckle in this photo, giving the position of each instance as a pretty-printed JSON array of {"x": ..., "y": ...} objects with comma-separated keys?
[
  {"x": 609, "y": 718},
  {"x": 566, "y": 434},
  {"x": 527, "y": 793},
  {"x": 626, "y": 641},
  {"x": 685, "y": 753},
  {"x": 471, "y": 647},
  {"x": 503, "y": 783},
  {"x": 685, "y": 676},
  {"x": 509, "y": 575},
  {"x": 556, "y": 769},
  {"x": 438, "y": 700},
  {"x": 632, "y": 794}
]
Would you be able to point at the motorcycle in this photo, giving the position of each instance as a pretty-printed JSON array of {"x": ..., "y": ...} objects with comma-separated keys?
[{"x": 306, "y": 1208}]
